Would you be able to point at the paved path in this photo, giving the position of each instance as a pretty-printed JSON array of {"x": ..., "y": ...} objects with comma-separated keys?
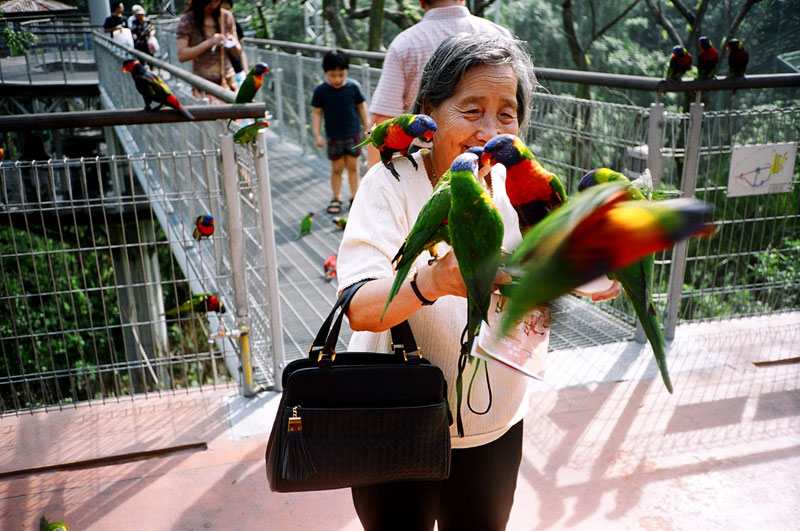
[{"x": 606, "y": 447}]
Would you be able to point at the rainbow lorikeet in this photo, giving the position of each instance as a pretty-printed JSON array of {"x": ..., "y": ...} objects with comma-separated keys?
[
  {"x": 204, "y": 227},
  {"x": 329, "y": 267},
  {"x": 248, "y": 133},
  {"x": 199, "y": 304},
  {"x": 636, "y": 278},
  {"x": 305, "y": 225},
  {"x": 340, "y": 222},
  {"x": 152, "y": 88},
  {"x": 737, "y": 58},
  {"x": 252, "y": 82},
  {"x": 44, "y": 525},
  {"x": 429, "y": 229},
  {"x": 396, "y": 134},
  {"x": 597, "y": 232},
  {"x": 707, "y": 59},
  {"x": 680, "y": 63},
  {"x": 533, "y": 191},
  {"x": 476, "y": 235}
]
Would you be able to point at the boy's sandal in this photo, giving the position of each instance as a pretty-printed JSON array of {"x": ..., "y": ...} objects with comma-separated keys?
[{"x": 335, "y": 206}]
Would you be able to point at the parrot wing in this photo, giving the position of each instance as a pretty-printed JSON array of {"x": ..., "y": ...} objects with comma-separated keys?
[
  {"x": 247, "y": 90},
  {"x": 429, "y": 229}
]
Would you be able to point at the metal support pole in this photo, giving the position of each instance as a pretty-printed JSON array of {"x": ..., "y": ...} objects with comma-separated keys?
[
  {"x": 279, "y": 100},
  {"x": 301, "y": 102},
  {"x": 237, "y": 250},
  {"x": 28, "y": 68},
  {"x": 655, "y": 139},
  {"x": 688, "y": 183},
  {"x": 63, "y": 64},
  {"x": 270, "y": 258},
  {"x": 366, "y": 81}
]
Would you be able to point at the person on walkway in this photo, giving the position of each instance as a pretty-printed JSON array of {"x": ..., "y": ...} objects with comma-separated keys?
[
  {"x": 205, "y": 33},
  {"x": 410, "y": 50},
  {"x": 342, "y": 102},
  {"x": 115, "y": 20},
  {"x": 475, "y": 86},
  {"x": 142, "y": 30}
]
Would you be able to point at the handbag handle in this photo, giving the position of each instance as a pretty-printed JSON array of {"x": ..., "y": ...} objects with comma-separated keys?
[{"x": 324, "y": 345}]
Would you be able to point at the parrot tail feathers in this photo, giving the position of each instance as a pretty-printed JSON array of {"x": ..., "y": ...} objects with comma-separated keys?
[
  {"x": 656, "y": 338},
  {"x": 186, "y": 113}
]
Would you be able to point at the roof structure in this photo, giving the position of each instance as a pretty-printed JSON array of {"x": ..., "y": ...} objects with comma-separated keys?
[{"x": 34, "y": 6}]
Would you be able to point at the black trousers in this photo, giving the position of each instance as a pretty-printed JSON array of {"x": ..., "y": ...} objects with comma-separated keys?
[{"x": 478, "y": 494}]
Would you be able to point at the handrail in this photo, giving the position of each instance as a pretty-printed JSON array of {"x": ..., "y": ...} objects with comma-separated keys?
[
  {"x": 624, "y": 81},
  {"x": 380, "y": 56},
  {"x": 65, "y": 120},
  {"x": 194, "y": 80}
]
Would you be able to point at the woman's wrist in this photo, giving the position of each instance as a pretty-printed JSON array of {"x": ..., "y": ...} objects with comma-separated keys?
[{"x": 427, "y": 288}]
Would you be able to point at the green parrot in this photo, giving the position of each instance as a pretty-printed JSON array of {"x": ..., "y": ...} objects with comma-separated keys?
[
  {"x": 305, "y": 225},
  {"x": 396, "y": 134},
  {"x": 252, "y": 82},
  {"x": 44, "y": 525},
  {"x": 476, "y": 234},
  {"x": 152, "y": 88},
  {"x": 636, "y": 278},
  {"x": 199, "y": 304},
  {"x": 597, "y": 232},
  {"x": 248, "y": 133},
  {"x": 429, "y": 229}
]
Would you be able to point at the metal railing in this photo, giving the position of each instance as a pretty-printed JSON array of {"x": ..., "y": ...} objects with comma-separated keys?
[{"x": 167, "y": 179}]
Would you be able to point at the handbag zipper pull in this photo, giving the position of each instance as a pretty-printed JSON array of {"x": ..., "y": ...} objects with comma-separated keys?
[{"x": 295, "y": 422}]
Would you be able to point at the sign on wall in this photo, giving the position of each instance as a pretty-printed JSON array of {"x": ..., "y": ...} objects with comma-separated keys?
[{"x": 761, "y": 169}]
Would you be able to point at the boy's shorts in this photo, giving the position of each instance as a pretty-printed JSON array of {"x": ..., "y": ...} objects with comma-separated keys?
[{"x": 338, "y": 147}]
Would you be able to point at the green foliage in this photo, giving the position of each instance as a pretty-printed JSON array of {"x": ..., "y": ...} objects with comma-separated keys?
[{"x": 17, "y": 41}]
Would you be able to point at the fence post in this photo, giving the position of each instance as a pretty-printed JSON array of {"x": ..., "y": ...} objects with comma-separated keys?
[
  {"x": 238, "y": 266},
  {"x": 270, "y": 258},
  {"x": 279, "y": 99},
  {"x": 301, "y": 102},
  {"x": 688, "y": 183},
  {"x": 63, "y": 64},
  {"x": 655, "y": 139}
]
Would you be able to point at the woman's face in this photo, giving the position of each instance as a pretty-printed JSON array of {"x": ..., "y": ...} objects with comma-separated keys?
[
  {"x": 484, "y": 105},
  {"x": 211, "y": 6}
]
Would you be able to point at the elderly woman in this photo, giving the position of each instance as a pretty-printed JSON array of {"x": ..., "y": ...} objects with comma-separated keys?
[
  {"x": 205, "y": 32},
  {"x": 475, "y": 87}
]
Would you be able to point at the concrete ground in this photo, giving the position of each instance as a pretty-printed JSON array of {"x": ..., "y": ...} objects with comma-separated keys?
[{"x": 606, "y": 447}]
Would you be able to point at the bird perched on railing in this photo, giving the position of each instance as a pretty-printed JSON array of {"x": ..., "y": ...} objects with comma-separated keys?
[
  {"x": 738, "y": 57},
  {"x": 199, "y": 304},
  {"x": 707, "y": 59},
  {"x": 152, "y": 88},
  {"x": 533, "y": 191},
  {"x": 252, "y": 82},
  {"x": 249, "y": 133},
  {"x": 204, "y": 227},
  {"x": 680, "y": 63},
  {"x": 395, "y": 135}
]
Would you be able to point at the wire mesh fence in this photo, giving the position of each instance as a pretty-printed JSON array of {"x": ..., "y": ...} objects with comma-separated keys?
[{"x": 102, "y": 249}]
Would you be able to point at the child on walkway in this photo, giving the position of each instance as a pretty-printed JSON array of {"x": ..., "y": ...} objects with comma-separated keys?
[{"x": 341, "y": 101}]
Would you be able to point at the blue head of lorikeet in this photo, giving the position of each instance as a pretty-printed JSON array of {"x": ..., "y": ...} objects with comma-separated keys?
[
  {"x": 422, "y": 127},
  {"x": 678, "y": 51},
  {"x": 502, "y": 149},
  {"x": 704, "y": 43},
  {"x": 261, "y": 68}
]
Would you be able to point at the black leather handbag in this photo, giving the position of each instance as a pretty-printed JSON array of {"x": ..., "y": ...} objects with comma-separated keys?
[{"x": 358, "y": 418}]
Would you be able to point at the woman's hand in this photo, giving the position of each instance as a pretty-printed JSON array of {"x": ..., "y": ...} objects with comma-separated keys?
[
  {"x": 442, "y": 278},
  {"x": 320, "y": 141}
]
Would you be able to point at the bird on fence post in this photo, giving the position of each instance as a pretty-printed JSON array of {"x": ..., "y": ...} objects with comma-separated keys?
[
  {"x": 680, "y": 63},
  {"x": 738, "y": 58},
  {"x": 707, "y": 59}
]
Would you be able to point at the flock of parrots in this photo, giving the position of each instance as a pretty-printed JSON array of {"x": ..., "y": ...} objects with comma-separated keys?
[{"x": 609, "y": 228}]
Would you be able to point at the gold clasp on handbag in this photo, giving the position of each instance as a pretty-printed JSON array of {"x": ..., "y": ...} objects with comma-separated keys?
[{"x": 295, "y": 422}]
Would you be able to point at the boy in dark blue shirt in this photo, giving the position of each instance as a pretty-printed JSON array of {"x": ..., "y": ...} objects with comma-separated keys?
[{"x": 341, "y": 101}]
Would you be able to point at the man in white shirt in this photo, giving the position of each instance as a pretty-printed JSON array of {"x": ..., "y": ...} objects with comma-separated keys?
[{"x": 409, "y": 52}]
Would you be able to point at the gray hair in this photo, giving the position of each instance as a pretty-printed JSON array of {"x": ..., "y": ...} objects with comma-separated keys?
[{"x": 463, "y": 51}]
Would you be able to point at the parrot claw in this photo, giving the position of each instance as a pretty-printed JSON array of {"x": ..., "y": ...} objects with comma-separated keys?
[
  {"x": 411, "y": 159},
  {"x": 390, "y": 166}
]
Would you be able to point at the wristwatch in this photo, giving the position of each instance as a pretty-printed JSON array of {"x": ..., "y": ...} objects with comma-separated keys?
[{"x": 423, "y": 300}]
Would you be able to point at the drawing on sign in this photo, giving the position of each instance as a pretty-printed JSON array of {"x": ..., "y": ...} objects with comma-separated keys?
[{"x": 761, "y": 169}]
